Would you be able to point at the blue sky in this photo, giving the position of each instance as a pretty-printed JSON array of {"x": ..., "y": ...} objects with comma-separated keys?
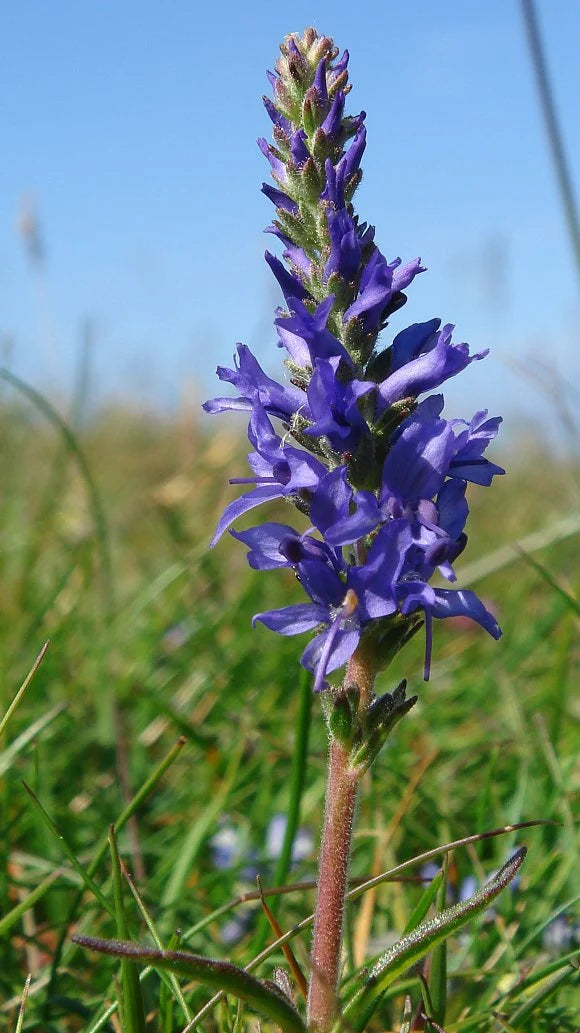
[{"x": 130, "y": 128}]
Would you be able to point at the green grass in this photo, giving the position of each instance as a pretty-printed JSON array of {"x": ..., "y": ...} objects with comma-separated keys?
[{"x": 104, "y": 552}]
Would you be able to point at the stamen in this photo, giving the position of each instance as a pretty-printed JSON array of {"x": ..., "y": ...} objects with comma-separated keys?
[{"x": 349, "y": 603}]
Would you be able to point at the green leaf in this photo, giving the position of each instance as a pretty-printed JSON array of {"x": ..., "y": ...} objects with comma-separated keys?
[
  {"x": 411, "y": 948},
  {"x": 220, "y": 975},
  {"x": 170, "y": 983},
  {"x": 31, "y": 732}
]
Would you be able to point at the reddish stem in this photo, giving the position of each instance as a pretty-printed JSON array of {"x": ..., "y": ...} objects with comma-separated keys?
[{"x": 334, "y": 860}]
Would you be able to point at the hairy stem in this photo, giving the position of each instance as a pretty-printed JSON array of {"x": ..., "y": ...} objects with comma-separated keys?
[{"x": 340, "y": 804}]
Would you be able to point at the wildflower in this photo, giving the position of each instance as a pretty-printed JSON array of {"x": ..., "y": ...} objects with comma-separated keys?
[{"x": 363, "y": 451}]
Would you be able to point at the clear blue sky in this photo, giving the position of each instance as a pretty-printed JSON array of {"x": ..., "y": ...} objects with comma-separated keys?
[{"x": 132, "y": 126}]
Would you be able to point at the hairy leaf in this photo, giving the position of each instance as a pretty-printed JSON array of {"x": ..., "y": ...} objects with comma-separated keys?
[
  {"x": 425, "y": 937},
  {"x": 219, "y": 975}
]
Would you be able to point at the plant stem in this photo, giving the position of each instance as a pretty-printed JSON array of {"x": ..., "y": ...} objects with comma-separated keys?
[{"x": 339, "y": 810}]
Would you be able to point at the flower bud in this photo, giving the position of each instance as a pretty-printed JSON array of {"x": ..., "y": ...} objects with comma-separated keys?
[{"x": 341, "y": 720}]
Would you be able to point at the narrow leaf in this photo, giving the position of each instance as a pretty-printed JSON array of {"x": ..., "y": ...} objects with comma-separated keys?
[
  {"x": 220, "y": 975},
  {"x": 70, "y": 440},
  {"x": 425, "y": 937},
  {"x": 132, "y": 806},
  {"x": 198, "y": 832},
  {"x": 357, "y": 891}
]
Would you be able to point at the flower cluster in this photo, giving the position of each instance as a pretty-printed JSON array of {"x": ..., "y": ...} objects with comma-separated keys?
[{"x": 346, "y": 437}]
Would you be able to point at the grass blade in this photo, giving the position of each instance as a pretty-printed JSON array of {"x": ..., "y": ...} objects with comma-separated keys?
[
  {"x": 297, "y": 778},
  {"x": 100, "y": 522},
  {"x": 28, "y": 735},
  {"x": 522, "y": 1014},
  {"x": 549, "y": 578},
  {"x": 172, "y": 980},
  {"x": 69, "y": 852},
  {"x": 407, "y": 1016},
  {"x": 132, "y": 807},
  {"x": 132, "y": 1010},
  {"x": 353, "y": 894},
  {"x": 424, "y": 903},
  {"x": 198, "y": 832},
  {"x": 9, "y": 919},
  {"x": 18, "y": 1028},
  {"x": 21, "y": 691}
]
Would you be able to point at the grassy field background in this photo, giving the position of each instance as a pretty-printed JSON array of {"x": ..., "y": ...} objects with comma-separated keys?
[{"x": 104, "y": 534}]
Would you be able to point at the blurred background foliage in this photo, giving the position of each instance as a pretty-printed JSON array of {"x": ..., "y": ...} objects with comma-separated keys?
[{"x": 150, "y": 639}]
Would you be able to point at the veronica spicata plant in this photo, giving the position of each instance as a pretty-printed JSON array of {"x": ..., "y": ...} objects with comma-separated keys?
[{"x": 353, "y": 437}]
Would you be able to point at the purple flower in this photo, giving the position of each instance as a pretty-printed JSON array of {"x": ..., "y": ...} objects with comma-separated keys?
[
  {"x": 278, "y": 119},
  {"x": 280, "y": 471},
  {"x": 319, "y": 83},
  {"x": 380, "y": 284},
  {"x": 345, "y": 248},
  {"x": 335, "y": 183},
  {"x": 276, "y": 164},
  {"x": 334, "y": 406},
  {"x": 279, "y": 198},
  {"x": 305, "y": 336},
  {"x": 291, "y": 286},
  {"x": 344, "y": 608},
  {"x": 255, "y": 388},
  {"x": 298, "y": 149},
  {"x": 332, "y": 123},
  {"x": 413, "y": 473},
  {"x": 422, "y": 360},
  {"x": 471, "y": 443},
  {"x": 350, "y": 162},
  {"x": 440, "y": 603},
  {"x": 278, "y": 545}
]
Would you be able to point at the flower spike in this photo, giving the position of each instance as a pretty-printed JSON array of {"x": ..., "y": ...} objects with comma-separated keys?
[{"x": 360, "y": 446}]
